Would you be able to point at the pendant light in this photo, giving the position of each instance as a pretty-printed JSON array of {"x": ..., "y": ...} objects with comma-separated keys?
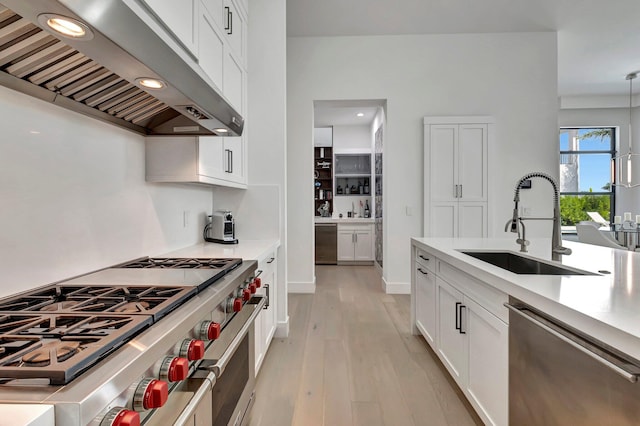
[{"x": 623, "y": 164}]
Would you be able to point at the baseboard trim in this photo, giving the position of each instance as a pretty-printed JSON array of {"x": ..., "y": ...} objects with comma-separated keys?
[
  {"x": 304, "y": 288},
  {"x": 282, "y": 329},
  {"x": 396, "y": 288}
]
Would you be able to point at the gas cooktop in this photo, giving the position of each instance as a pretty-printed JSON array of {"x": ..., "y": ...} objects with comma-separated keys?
[{"x": 58, "y": 331}]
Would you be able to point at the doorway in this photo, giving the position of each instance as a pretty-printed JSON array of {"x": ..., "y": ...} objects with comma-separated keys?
[{"x": 348, "y": 181}]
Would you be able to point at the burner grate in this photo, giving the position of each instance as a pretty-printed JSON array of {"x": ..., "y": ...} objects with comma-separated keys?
[{"x": 184, "y": 263}]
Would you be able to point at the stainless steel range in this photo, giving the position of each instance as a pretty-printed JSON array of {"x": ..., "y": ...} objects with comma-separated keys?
[{"x": 155, "y": 340}]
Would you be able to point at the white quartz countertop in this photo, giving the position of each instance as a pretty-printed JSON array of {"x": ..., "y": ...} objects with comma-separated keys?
[
  {"x": 245, "y": 249},
  {"x": 605, "y": 305},
  {"x": 27, "y": 415},
  {"x": 346, "y": 220}
]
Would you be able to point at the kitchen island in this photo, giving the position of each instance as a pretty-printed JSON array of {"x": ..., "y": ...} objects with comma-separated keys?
[
  {"x": 457, "y": 304},
  {"x": 605, "y": 305}
]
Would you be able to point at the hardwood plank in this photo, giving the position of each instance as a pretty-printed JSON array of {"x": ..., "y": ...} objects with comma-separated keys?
[
  {"x": 366, "y": 414},
  {"x": 337, "y": 404}
]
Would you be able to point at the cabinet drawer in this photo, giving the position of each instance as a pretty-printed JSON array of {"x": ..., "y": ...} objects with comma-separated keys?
[
  {"x": 486, "y": 296},
  {"x": 426, "y": 259}
]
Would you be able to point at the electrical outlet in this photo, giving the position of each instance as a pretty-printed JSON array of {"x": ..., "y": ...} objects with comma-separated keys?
[
  {"x": 185, "y": 218},
  {"x": 526, "y": 211},
  {"x": 409, "y": 210}
]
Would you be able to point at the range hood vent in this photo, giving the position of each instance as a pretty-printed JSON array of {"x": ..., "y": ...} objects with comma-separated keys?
[{"x": 100, "y": 78}]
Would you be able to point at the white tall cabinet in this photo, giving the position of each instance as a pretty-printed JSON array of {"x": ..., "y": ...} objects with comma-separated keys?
[{"x": 456, "y": 151}]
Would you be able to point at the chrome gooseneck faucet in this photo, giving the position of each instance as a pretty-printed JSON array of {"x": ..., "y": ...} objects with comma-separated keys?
[{"x": 516, "y": 222}]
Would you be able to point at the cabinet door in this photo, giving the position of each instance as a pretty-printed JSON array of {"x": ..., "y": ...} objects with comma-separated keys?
[
  {"x": 345, "y": 244},
  {"x": 487, "y": 383},
  {"x": 180, "y": 18},
  {"x": 211, "y": 52},
  {"x": 472, "y": 219},
  {"x": 234, "y": 26},
  {"x": 215, "y": 9},
  {"x": 443, "y": 221},
  {"x": 269, "y": 279},
  {"x": 234, "y": 151},
  {"x": 232, "y": 85},
  {"x": 363, "y": 248},
  {"x": 472, "y": 162},
  {"x": 426, "y": 303},
  {"x": 452, "y": 341},
  {"x": 259, "y": 350},
  {"x": 211, "y": 158},
  {"x": 443, "y": 164}
]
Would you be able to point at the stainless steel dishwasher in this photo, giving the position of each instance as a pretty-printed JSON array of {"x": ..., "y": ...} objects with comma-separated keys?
[
  {"x": 559, "y": 376},
  {"x": 326, "y": 244}
]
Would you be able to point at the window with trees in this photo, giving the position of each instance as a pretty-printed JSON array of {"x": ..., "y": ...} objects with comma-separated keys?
[{"x": 585, "y": 173}]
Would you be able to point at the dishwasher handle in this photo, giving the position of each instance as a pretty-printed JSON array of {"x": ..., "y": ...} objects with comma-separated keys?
[{"x": 561, "y": 334}]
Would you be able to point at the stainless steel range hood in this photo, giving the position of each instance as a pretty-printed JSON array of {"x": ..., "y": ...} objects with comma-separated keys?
[{"x": 99, "y": 77}]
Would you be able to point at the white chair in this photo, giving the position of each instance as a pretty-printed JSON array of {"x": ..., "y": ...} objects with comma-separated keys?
[
  {"x": 597, "y": 218},
  {"x": 590, "y": 234}
]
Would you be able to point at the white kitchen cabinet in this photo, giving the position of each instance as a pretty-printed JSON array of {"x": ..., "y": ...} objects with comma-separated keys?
[
  {"x": 452, "y": 342},
  {"x": 235, "y": 26},
  {"x": 456, "y": 176},
  {"x": 211, "y": 49},
  {"x": 425, "y": 294},
  {"x": 265, "y": 325},
  {"x": 179, "y": 18},
  {"x": 470, "y": 331},
  {"x": 487, "y": 381},
  {"x": 206, "y": 159},
  {"x": 355, "y": 242}
]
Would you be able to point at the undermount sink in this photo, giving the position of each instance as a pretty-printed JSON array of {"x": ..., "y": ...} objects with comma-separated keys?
[{"x": 522, "y": 265}]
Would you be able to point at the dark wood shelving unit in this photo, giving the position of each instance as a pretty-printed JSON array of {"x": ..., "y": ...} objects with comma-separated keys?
[{"x": 323, "y": 174}]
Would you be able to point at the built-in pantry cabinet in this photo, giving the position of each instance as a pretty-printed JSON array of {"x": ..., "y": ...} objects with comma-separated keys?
[
  {"x": 465, "y": 323},
  {"x": 214, "y": 32},
  {"x": 456, "y": 176}
]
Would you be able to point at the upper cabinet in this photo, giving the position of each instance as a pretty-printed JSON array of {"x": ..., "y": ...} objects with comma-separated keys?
[
  {"x": 180, "y": 18},
  {"x": 204, "y": 159},
  {"x": 214, "y": 32},
  {"x": 323, "y": 136}
]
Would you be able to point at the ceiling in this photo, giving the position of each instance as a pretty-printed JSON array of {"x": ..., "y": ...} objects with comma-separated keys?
[{"x": 598, "y": 40}]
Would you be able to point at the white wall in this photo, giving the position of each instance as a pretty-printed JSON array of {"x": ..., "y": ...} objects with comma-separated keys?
[
  {"x": 74, "y": 197},
  {"x": 627, "y": 199},
  {"x": 512, "y": 77},
  {"x": 351, "y": 139}
]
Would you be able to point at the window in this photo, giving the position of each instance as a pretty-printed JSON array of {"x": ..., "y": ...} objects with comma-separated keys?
[{"x": 585, "y": 173}]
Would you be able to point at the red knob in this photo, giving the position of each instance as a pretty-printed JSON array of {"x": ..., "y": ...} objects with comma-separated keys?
[
  {"x": 155, "y": 395},
  {"x": 258, "y": 282},
  {"x": 246, "y": 294},
  {"x": 192, "y": 349},
  {"x": 213, "y": 331},
  {"x": 196, "y": 350},
  {"x": 121, "y": 417},
  {"x": 237, "y": 304},
  {"x": 177, "y": 369}
]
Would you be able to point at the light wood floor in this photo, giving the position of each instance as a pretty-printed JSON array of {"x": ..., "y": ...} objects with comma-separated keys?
[{"x": 350, "y": 359}]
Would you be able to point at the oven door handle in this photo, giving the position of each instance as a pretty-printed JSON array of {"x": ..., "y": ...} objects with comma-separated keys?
[
  {"x": 220, "y": 365},
  {"x": 188, "y": 411}
]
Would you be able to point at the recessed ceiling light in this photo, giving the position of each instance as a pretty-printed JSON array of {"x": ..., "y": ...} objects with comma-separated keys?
[
  {"x": 220, "y": 130},
  {"x": 360, "y": 114},
  {"x": 150, "y": 83},
  {"x": 65, "y": 26}
]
